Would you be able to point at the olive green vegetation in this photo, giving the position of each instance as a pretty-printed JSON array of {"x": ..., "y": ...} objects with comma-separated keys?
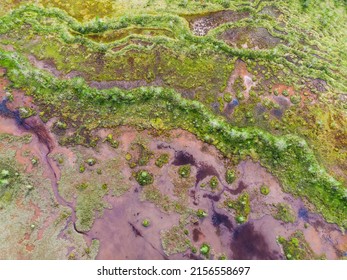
[
  {"x": 23, "y": 204},
  {"x": 13, "y": 181},
  {"x": 89, "y": 202},
  {"x": 113, "y": 142},
  {"x": 139, "y": 154},
  {"x": 205, "y": 249},
  {"x": 154, "y": 195},
  {"x": 143, "y": 177},
  {"x": 198, "y": 66},
  {"x": 201, "y": 213},
  {"x": 184, "y": 171},
  {"x": 285, "y": 213},
  {"x": 297, "y": 248},
  {"x": 146, "y": 223},
  {"x": 230, "y": 176},
  {"x": 264, "y": 190},
  {"x": 288, "y": 157},
  {"x": 9, "y": 178},
  {"x": 162, "y": 160},
  {"x": 214, "y": 182},
  {"x": 26, "y": 112},
  {"x": 241, "y": 207},
  {"x": 174, "y": 240},
  {"x": 91, "y": 161}
]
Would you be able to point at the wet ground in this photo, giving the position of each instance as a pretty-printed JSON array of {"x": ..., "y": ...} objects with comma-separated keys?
[{"x": 118, "y": 227}]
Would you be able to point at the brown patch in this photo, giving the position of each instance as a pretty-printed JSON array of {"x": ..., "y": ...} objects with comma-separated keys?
[
  {"x": 240, "y": 70},
  {"x": 198, "y": 235},
  {"x": 201, "y": 24},
  {"x": 249, "y": 37},
  {"x": 30, "y": 247},
  {"x": 37, "y": 211}
]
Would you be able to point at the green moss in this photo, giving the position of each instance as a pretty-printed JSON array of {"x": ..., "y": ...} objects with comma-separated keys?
[
  {"x": 162, "y": 160},
  {"x": 227, "y": 97},
  {"x": 174, "y": 240},
  {"x": 34, "y": 161},
  {"x": 141, "y": 154},
  {"x": 180, "y": 66},
  {"x": 26, "y": 112},
  {"x": 241, "y": 207},
  {"x": 146, "y": 223},
  {"x": 201, "y": 213},
  {"x": 113, "y": 143},
  {"x": 128, "y": 156},
  {"x": 205, "y": 249},
  {"x": 82, "y": 168},
  {"x": 91, "y": 161},
  {"x": 143, "y": 177},
  {"x": 264, "y": 190},
  {"x": 285, "y": 93},
  {"x": 89, "y": 203},
  {"x": 214, "y": 182},
  {"x": 230, "y": 176},
  {"x": 297, "y": 248},
  {"x": 295, "y": 99},
  {"x": 12, "y": 180},
  {"x": 61, "y": 125},
  {"x": 184, "y": 171},
  {"x": 285, "y": 213}
]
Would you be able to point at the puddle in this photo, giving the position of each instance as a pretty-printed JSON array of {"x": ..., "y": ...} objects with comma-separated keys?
[
  {"x": 241, "y": 187},
  {"x": 182, "y": 158},
  {"x": 121, "y": 233},
  {"x": 197, "y": 234},
  {"x": 248, "y": 244},
  {"x": 219, "y": 219},
  {"x": 205, "y": 170}
]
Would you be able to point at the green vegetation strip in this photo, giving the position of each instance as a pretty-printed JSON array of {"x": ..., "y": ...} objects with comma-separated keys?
[
  {"x": 304, "y": 63},
  {"x": 288, "y": 157}
]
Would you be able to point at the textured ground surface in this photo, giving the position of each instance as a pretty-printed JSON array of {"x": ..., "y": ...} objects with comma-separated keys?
[{"x": 168, "y": 129}]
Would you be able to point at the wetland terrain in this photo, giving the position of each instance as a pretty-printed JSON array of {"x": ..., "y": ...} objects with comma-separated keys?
[{"x": 165, "y": 129}]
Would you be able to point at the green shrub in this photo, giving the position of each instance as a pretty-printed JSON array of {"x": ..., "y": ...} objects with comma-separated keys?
[
  {"x": 184, "y": 171},
  {"x": 201, "y": 213},
  {"x": 285, "y": 213},
  {"x": 143, "y": 177},
  {"x": 162, "y": 160},
  {"x": 264, "y": 190},
  {"x": 205, "y": 249},
  {"x": 214, "y": 182},
  {"x": 230, "y": 176},
  {"x": 146, "y": 223}
]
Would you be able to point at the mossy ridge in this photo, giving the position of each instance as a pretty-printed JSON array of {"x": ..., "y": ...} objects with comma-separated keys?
[
  {"x": 89, "y": 9},
  {"x": 293, "y": 163},
  {"x": 208, "y": 43}
]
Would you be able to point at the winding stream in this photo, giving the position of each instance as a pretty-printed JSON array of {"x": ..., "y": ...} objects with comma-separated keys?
[{"x": 35, "y": 126}]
